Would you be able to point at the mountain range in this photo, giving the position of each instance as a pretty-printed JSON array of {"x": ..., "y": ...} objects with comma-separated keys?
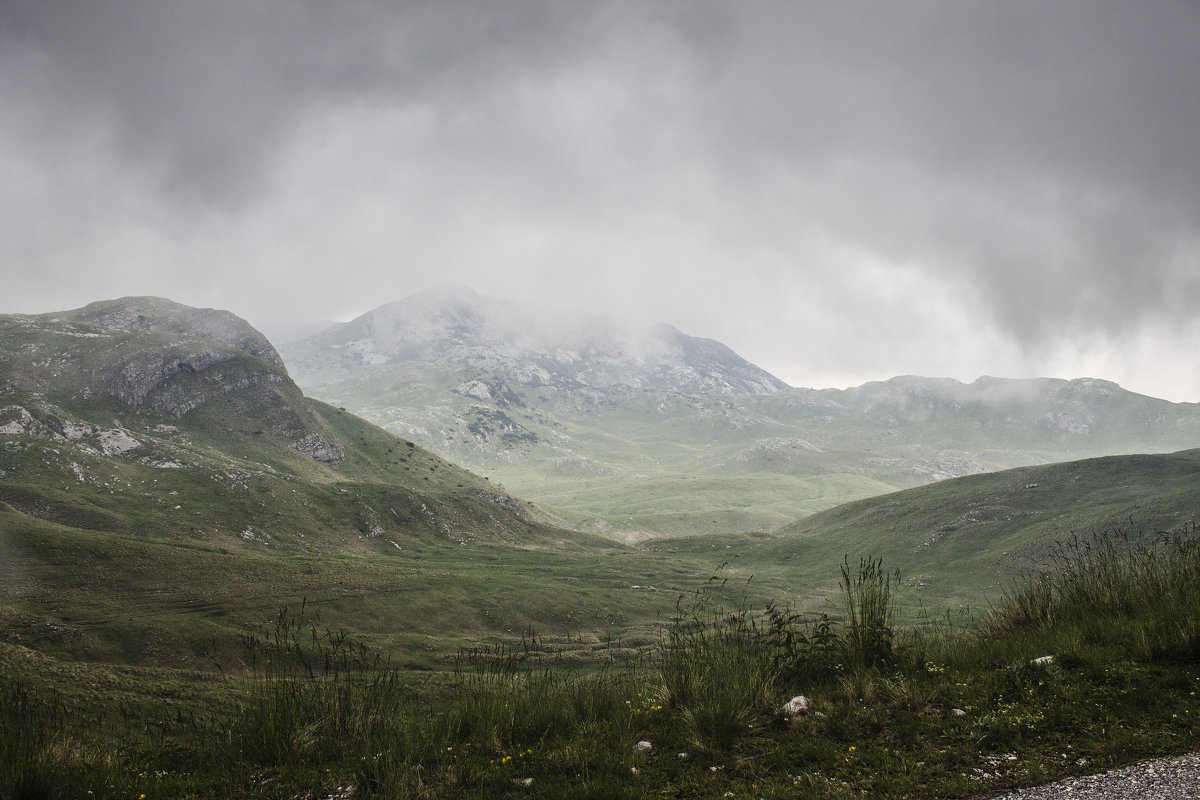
[
  {"x": 654, "y": 432},
  {"x": 165, "y": 486}
]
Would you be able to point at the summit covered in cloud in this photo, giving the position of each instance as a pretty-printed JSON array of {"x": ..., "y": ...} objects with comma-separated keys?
[{"x": 456, "y": 328}]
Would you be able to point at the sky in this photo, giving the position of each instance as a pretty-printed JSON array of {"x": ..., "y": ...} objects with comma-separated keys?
[{"x": 840, "y": 191}]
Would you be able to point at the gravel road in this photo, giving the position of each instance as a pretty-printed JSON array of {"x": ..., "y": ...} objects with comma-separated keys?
[{"x": 1162, "y": 779}]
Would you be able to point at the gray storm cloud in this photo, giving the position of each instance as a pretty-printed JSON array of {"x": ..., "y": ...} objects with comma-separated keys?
[{"x": 843, "y": 190}]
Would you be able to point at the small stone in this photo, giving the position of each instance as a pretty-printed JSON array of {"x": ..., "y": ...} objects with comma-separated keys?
[
  {"x": 643, "y": 746},
  {"x": 1043, "y": 661},
  {"x": 957, "y": 712},
  {"x": 796, "y": 707}
]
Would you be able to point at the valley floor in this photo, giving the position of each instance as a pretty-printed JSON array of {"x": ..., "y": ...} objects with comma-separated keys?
[{"x": 1093, "y": 666}]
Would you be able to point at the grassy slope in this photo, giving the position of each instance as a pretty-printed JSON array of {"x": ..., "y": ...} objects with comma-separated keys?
[
  {"x": 959, "y": 541},
  {"x": 114, "y": 571}
]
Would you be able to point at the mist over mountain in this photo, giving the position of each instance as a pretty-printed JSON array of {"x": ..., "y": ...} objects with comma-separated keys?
[
  {"x": 456, "y": 328},
  {"x": 652, "y": 431}
]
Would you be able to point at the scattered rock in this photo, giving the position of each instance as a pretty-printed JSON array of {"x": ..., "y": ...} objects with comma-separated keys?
[
  {"x": 643, "y": 747},
  {"x": 476, "y": 389},
  {"x": 73, "y": 430},
  {"x": 499, "y": 499},
  {"x": 1043, "y": 661},
  {"x": 957, "y": 712},
  {"x": 17, "y": 421}
]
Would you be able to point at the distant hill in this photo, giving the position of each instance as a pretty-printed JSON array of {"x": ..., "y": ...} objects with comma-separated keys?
[{"x": 648, "y": 433}]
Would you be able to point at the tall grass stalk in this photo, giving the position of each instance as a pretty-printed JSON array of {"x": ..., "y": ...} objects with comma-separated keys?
[
  {"x": 870, "y": 612},
  {"x": 317, "y": 693}
]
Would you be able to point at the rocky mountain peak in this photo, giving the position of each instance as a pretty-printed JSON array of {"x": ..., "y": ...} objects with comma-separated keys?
[{"x": 455, "y": 328}]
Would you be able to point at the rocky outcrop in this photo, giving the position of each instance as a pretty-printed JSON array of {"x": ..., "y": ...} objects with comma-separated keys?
[
  {"x": 144, "y": 372},
  {"x": 498, "y": 499},
  {"x": 18, "y": 421}
]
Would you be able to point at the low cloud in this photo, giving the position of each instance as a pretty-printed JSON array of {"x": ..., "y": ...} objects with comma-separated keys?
[{"x": 840, "y": 191}]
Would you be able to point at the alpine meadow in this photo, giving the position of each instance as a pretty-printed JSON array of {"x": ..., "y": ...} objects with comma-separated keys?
[{"x": 217, "y": 586}]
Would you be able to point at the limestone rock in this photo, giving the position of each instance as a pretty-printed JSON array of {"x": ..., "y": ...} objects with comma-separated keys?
[{"x": 320, "y": 448}]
